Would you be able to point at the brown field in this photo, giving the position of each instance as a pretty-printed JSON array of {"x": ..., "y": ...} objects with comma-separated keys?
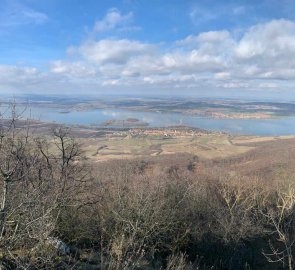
[{"x": 209, "y": 146}]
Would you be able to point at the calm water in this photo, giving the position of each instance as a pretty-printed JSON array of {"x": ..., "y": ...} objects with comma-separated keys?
[{"x": 278, "y": 126}]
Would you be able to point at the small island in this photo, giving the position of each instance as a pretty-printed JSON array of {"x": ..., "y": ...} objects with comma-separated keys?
[{"x": 129, "y": 122}]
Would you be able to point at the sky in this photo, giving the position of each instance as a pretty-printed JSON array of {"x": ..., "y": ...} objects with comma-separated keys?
[{"x": 220, "y": 48}]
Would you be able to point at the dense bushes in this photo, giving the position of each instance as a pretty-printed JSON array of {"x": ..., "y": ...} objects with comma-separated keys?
[
  {"x": 142, "y": 220},
  {"x": 57, "y": 213}
]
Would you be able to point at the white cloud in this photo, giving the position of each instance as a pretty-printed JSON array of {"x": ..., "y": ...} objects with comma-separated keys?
[
  {"x": 212, "y": 56},
  {"x": 35, "y": 16},
  {"x": 16, "y": 13},
  {"x": 11, "y": 74},
  {"x": 261, "y": 58},
  {"x": 14, "y": 79},
  {"x": 200, "y": 15},
  {"x": 113, "y": 51},
  {"x": 223, "y": 75},
  {"x": 112, "y": 20},
  {"x": 72, "y": 69},
  {"x": 268, "y": 41},
  {"x": 267, "y": 50},
  {"x": 213, "y": 36}
]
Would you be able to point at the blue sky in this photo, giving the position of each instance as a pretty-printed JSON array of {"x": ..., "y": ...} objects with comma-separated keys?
[{"x": 203, "y": 48}]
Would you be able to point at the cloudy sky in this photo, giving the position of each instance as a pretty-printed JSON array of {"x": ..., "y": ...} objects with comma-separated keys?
[{"x": 225, "y": 48}]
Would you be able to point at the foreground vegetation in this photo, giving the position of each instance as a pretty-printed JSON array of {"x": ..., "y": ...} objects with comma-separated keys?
[{"x": 58, "y": 211}]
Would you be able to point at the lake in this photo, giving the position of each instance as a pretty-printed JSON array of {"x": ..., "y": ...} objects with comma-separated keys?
[{"x": 276, "y": 126}]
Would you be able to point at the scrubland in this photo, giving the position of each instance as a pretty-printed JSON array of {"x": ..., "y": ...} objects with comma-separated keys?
[{"x": 61, "y": 209}]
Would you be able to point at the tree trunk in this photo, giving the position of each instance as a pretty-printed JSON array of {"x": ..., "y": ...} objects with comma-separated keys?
[{"x": 3, "y": 207}]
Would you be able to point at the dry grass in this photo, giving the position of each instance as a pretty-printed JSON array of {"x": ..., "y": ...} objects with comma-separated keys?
[{"x": 207, "y": 146}]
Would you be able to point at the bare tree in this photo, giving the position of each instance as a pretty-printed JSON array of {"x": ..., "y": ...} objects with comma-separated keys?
[
  {"x": 281, "y": 217},
  {"x": 39, "y": 179}
]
